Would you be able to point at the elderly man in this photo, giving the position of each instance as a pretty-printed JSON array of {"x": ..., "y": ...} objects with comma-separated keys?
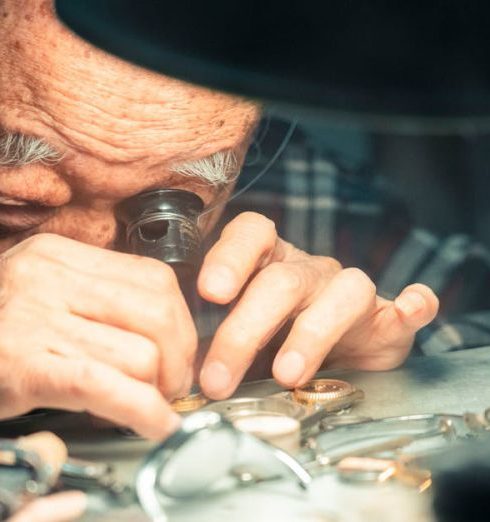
[{"x": 86, "y": 328}]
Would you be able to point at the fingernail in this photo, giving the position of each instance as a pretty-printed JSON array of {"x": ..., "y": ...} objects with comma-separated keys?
[
  {"x": 215, "y": 378},
  {"x": 410, "y": 303},
  {"x": 289, "y": 367},
  {"x": 219, "y": 280}
]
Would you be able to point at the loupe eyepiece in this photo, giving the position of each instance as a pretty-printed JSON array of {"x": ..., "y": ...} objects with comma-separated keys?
[{"x": 162, "y": 224}]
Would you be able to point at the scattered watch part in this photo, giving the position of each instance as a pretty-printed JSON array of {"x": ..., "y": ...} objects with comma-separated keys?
[
  {"x": 376, "y": 470},
  {"x": 321, "y": 391},
  {"x": 413, "y": 476},
  {"x": 192, "y": 402},
  {"x": 366, "y": 469}
]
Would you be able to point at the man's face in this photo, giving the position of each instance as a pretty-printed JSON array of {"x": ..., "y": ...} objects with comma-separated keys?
[{"x": 119, "y": 129}]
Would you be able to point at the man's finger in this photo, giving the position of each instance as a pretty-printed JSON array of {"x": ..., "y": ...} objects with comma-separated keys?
[
  {"x": 133, "y": 354},
  {"x": 319, "y": 327},
  {"x": 385, "y": 342},
  {"x": 164, "y": 318},
  {"x": 395, "y": 328},
  {"x": 275, "y": 293},
  {"x": 51, "y": 381},
  {"x": 247, "y": 243},
  {"x": 98, "y": 262},
  {"x": 58, "y": 507},
  {"x": 416, "y": 306},
  {"x": 108, "y": 288}
]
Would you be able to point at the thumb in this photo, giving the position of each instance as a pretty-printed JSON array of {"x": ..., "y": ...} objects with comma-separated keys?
[{"x": 416, "y": 306}]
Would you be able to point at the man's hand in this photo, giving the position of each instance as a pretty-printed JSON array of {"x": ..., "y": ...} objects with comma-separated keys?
[
  {"x": 336, "y": 312},
  {"x": 83, "y": 328},
  {"x": 58, "y": 507}
]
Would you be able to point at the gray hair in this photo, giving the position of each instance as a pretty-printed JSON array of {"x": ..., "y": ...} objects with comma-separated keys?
[
  {"x": 218, "y": 169},
  {"x": 17, "y": 150}
]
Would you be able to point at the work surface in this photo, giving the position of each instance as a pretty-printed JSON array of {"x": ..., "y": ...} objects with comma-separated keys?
[{"x": 453, "y": 383}]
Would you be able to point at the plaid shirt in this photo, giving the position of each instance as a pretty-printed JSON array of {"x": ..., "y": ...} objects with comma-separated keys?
[{"x": 326, "y": 208}]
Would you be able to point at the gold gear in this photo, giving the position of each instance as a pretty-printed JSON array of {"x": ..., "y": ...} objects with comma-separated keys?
[
  {"x": 320, "y": 391},
  {"x": 192, "y": 402}
]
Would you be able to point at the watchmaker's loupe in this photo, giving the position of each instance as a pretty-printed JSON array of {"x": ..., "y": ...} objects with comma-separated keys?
[
  {"x": 162, "y": 224},
  {"x": 193, "y": 460}
]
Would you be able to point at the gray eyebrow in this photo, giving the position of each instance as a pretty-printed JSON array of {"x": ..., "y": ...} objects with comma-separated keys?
[
  {"x": 217, "y": 169},
  {"x": 18, "y": 150}
]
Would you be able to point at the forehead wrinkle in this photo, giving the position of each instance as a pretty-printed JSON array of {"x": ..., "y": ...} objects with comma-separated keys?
[
  {"x": 93, "y": 110},
  {"x": 113, "y": 144},
  {"x": 141, "y": 104},
  {"x": 163, "y": 117},
  {"x": 130, "y": 140},
  {"x": 133, "y": 144},
  {"x": 39, "y": 123},
  {"x": 121, "y": 153}
]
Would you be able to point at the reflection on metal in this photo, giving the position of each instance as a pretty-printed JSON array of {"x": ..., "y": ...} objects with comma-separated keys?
[
  {"x": 205, "y": 456},
  {"x": 275, "y": 418},
  {"x": 244, "y": 406},
  {"x": 277, "y": 429},
  {"x": 194, "y": 459},
  {"x": 272, "y": 419}
]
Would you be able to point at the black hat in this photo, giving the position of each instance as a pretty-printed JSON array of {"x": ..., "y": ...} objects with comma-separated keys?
[{"x": 378, "y": 61}]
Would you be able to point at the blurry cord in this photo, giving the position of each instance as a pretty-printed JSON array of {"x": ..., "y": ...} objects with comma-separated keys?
[
  {"x": 256, "y": 178},
  {"x": 256, "y": 145}
]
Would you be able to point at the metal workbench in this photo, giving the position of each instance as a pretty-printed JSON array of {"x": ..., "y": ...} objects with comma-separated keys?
[{"x": 452, "y": 383}]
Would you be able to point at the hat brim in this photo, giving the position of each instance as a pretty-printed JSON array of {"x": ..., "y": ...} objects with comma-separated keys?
[{"x": 392, "y": 62}]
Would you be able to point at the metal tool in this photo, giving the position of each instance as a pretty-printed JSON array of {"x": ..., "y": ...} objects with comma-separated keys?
[
  {"x": 84, "y": 474},
  {"x": 192, "y": 460},
  {"x": 377, "y": 470},
  {"x": 29, "y": 468},
  {"x": 359, "y": 441},
  {"x": 323, "y": 460}
]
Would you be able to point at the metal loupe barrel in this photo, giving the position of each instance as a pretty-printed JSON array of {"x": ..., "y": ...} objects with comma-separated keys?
[{"x": 163, "y": 224}]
